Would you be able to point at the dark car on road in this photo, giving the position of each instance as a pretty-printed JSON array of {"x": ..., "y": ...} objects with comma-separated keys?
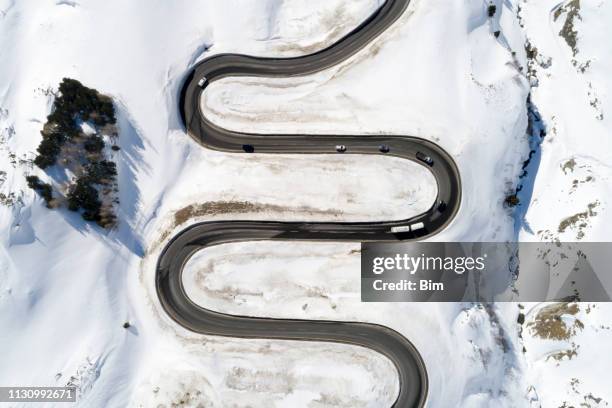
[
  {"x": 248, "y": 148},
  {"x": 425, "y": 158}
]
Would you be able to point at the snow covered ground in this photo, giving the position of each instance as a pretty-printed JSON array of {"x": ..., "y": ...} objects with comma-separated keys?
[
  {"x": 567, "y": 194},
  {"x": 66, "y": 287},
  {"x": 418, "y": 96},
  {"x": 572, "y": 97},
  {"x": 567, "y": 349},
  {"x": 322, "y": 280}
]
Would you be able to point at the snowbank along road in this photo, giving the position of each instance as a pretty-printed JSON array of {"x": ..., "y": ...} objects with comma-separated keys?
[{"x": 409, "y": 364}]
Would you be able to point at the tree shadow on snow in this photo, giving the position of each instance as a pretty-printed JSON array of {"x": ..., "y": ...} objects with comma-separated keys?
[{"x": 130, "y": 163}]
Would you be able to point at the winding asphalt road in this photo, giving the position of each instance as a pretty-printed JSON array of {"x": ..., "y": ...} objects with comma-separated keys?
[{"x": 405, "y": 357}]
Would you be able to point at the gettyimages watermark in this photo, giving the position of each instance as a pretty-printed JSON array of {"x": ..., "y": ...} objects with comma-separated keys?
[{"x": 486, "y": 272}]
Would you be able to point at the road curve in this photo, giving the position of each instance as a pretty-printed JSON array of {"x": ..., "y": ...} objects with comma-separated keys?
[{"x": 409, "y": 364}]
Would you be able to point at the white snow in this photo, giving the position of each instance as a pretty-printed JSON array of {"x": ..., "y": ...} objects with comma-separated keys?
[
  {"x": 572, "y": 172},
  {"x": 443, "y": 97},
  {"x": 469, "y": 99},
  {"x": 232, "y": 372},
  {"x": 66, "y": 287},
  {"x": 565, "y": 97},
  {"x": 559, "y": 376},
  {"x": 462, "y": 348}
]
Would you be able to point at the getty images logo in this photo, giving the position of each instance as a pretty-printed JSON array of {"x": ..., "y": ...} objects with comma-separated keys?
[{"x": 414, "y": 264}]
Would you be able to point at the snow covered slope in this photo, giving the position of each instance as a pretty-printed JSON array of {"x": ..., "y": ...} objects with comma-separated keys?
[
  {"x": 67, "y": 287},
  {"x": 567, "y": 194},
  {"x": 470, "y": 351}
]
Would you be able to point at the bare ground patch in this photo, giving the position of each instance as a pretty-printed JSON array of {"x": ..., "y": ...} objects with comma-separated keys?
[
  {"x": 549, "y": 322},
  {"x": 578, "y": 221},
  {"x": 568, "y": 31},
  {"x": 228, "y": 207}
]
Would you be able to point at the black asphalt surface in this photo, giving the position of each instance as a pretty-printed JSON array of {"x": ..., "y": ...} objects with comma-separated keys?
[{"x": 411, "y": 369}]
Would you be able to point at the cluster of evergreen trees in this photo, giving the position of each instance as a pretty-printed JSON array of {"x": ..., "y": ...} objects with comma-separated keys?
[
  {"x": 83, "y": 194},
  {"x": 76, "y": 104}
]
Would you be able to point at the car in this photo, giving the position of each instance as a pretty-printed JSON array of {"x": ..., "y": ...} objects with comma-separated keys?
[
  {"x": 202, "y": 82},
  {"x": 400, "y": 229},
  {"x": 248, "y": 148},
  {"x": 441, "y": 206},
  {"x": 340, "y": 148},
  {"x": 417, "y": 226},
  {"x": 425, "y": 158},
  {"x": 383, "y": 148}
]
